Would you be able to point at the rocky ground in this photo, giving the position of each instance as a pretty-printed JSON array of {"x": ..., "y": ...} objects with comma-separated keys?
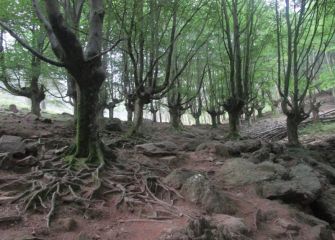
[{"x": 166, "y": 185}]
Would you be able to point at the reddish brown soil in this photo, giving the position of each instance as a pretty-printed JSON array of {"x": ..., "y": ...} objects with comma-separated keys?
[{"x": 108, "y": 223}]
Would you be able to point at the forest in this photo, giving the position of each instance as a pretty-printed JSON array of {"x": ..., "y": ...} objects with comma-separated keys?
[{"x": 167, "y": 119}]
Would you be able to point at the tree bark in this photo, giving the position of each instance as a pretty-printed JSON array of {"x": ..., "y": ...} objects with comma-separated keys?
[
  {"x": 233, "y": 123},
  {"x": 292, "y": 131},
  {"x": 213, "y": 120},
  {"x": 35, "y": 105},
  {"x": 138, "y": 116},
  {"x": 111, "y": 112},
  {"x": 87, "y": 141},
  {"x": 197, "y": 120},
  {"x": 175, "y": 116}
]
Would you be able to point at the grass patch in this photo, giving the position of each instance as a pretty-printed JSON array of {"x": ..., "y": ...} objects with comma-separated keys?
[{"x": 317, "y": 128}]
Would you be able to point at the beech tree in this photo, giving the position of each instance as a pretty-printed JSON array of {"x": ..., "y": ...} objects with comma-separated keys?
[
  {"x": 83, "y": 61},
  {"x": 304, "y": 31}
]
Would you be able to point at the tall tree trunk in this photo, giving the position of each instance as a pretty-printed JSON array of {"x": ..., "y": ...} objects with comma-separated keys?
[
  {"x": 213, "y": 120},
  {"x": 36, "y": 105},
  {"x": 154, "y": 116},
  {"x": 111, "y": 112},
  {"x": 175, "y": 120},
  {"x": 218, "y": 117},
  {"x": 292, "y": 131},
  {"x": 129, "y": 115},
  {"x": 138, "y": 116},
  {"x": 87, "y": 141},
  {"x": 233, "y": 123},
  {"x": 260, "y": 112},
  {"x": 197, "y": 120}
]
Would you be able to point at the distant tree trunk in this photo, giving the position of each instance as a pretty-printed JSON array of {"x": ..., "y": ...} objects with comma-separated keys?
[
  {"x": 111, "y": 112},
  {"x": 35, "y": 105},
  {"x": 213, "y": 118},
  {"x": 154, "y": 116},
  {"x": 218, "y": 117},
  {"x": 138, "y": 116},
  {"x": 292, "y": 130},
  {"x": 197, "y": 119},
  {"x": 129, "y": 115},
  {"x": 175, "y": 117},
  {"x": 234, "y": 123},
  {"x": 259, "y": 112}
]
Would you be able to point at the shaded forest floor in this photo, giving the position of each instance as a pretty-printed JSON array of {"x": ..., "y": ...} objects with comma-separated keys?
[{"x": 248, "y": 189}]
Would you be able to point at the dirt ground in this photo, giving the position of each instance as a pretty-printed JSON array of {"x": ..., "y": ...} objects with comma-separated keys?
[{"x": 104, "y": 218}]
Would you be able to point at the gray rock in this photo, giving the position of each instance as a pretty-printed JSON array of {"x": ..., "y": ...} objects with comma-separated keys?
[
  {"x": 308, "y": 219},
  {"x": 235, "y": 148},
  {"x": 13, "y": 108},
  {"x": 178, "y": 177},
  {"x": 321, "y": 232},
  {"x": 13, "y": 145},
  {"x": 325, "y": 205},
  {"x": 303, "y": 186},
  {"x": 165, "y": 148},
  {"x": 238, "y": 172},
  {"x": 198, "y": 190},
  {"x": 114, "y": 125},
  {"x": 214, "y": 147},
  {"x": 260, "y": 155}
]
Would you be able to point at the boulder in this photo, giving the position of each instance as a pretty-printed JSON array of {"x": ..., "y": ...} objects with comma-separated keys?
[
  {"x": 165, "y": 148},
  {"x": 30, "y": 117},
  {"x": 239, "y": 172},
  {"x": 235, "y": 148},
  {"x": 260, "y": 155},
  {"x": 114, "y": 125},
  {"x": 321, "y": 232},
  {"x": 178, "y": 177},
  {"x": 13, "y": 145},
  {"x": 13, "y": 108},
  {"x": 325, "y": 205},
  {"x": 302, "y": 186},
  {"x": 214, "y": 147},
  {"x": 198, "y": 190}
]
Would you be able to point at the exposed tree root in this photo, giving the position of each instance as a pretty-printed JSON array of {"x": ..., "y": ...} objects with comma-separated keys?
[{"x": 52, "y": 186}]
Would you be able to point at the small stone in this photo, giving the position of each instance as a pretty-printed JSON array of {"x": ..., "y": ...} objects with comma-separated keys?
[
  {"x": 68, "y": 224},
  {"x": 84, "y": 236},
  {"x": 13, "y": 108},
  {"x": 288, "y": 225}
]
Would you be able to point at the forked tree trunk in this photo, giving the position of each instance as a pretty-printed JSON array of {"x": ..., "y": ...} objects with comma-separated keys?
[{"x": 292, "y": 131}]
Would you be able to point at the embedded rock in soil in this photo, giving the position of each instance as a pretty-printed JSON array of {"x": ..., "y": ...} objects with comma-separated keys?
[
  {"x": 198, "y": 190},
  {"x": 324, "y": 207},
  {"x": 235, "y": 148},
  {"x": 67, "y": 224},
  {"x": 178, "y": 177},
  {"x": 321, "y": 232},
  {"x": 13, "y": 108},
  {"x": 13, "y": 145},
  {"x": 215, "y": 148},
  {"x": 165, "y": 148},
  {"x": 114, "y": 125},
  {"x": 303, "y": 186},
  {"x": 260, "y": 155},
  {"x": 227, "y": 228},
  {"x": 238, "y": 172}
]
